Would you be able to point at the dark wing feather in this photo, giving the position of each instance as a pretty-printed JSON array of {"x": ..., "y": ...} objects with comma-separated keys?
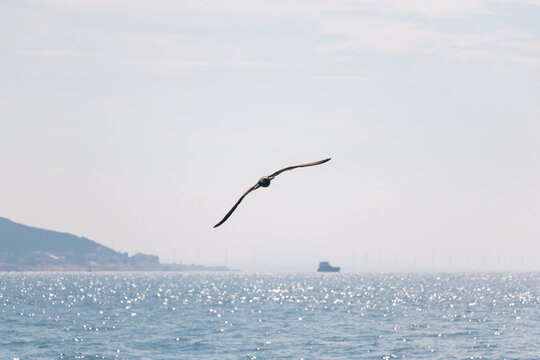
[
  {"x": 254, "y": 187},
  {"x": 297, "y": 166}
]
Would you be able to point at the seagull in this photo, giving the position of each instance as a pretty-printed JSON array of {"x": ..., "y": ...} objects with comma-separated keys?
[{"x": 265, "y": 182}]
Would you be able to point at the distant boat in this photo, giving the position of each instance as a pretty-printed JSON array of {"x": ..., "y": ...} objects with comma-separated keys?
[{"x": 324, "y": 266}]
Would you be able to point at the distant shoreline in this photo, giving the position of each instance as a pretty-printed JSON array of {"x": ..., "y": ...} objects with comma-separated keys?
[
  {"x": 27, "y": 248},
  {"x": 71, "y": 268}
]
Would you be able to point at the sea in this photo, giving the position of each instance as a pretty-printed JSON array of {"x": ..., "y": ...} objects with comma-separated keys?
[{"x": 239, "y": 315}]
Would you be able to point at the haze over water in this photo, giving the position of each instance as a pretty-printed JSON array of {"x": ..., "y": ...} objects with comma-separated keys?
[{"x": 269, "y": 316}]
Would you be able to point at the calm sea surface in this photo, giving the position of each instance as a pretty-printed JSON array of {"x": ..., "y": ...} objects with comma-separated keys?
[{"x": 269, "y": 316}]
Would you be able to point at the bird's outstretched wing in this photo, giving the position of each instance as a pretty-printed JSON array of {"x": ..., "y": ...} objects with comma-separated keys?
[
  {"x": 297, "y": 166},
  {"x": 254, "y": 187}
]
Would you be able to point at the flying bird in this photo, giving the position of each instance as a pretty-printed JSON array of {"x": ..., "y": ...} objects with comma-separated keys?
[{"x": 265, "y": 182}]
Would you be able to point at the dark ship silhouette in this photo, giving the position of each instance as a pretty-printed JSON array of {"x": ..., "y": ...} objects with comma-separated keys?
[{"x": 324, "y": 266}]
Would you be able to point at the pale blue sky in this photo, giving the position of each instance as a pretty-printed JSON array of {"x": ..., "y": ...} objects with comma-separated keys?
[{"x": 140, "y": 125}]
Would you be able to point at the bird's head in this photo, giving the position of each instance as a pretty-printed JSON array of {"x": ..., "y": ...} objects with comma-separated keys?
[{"x": 264, "y": 181}]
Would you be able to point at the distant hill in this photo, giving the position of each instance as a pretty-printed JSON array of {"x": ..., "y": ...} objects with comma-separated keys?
[
  {"x": 19, "y": 239},
  {"x": 24, "y": 247}
]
